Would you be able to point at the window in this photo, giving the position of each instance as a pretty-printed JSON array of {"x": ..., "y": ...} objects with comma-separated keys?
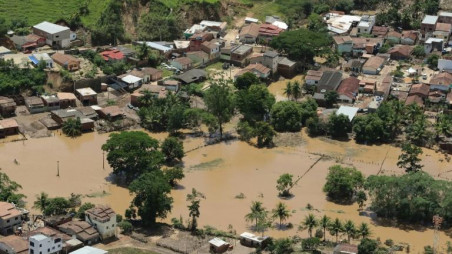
[
  {"x": 32, "y": 244},
  {"x": 113, "y": 225},
  {"x": 7, "y": 221},
  {"x": 57, "y": 240},
  {"x": 40, "y": 245},
  {"x": 16, "y": 218},
  {"x": 53, "y": 247},
  {"x": 107, "y": 227},
  {"x": 48, "y": 250},
  {"x": 32, "y": 251},
  {"x": 59, "y": 245}
]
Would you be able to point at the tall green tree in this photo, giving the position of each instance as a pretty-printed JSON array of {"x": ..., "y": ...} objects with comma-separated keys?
[
  {"x": 443, "y": 125},
  {"x": 151, "y": 191},
  {"x": 194, "y": 213},
  {"x": 324, "y": 222},
  {"x": 109, "y": 28},
  {"x": 286, "y": 116},
  {"x": 339, "y": 126},
  {"x": 331, "y": 98},
  {"x": 336, "y": 227},
  {"x": 57, "y": 206},
  {"x": 254, "y": 103},
  {"x": 9, "y": 191},
  {"x": 173, "y": 175},
  {"x": 220, "y": 103},
  {"x": 302, "y": 45},
  {"x": 243, "y": 82},
  {"x": 132, "y": 153},
  {"x": 3, "y": 27},
  {"x": 309, "y": 223},
  {"x": 296, "y": 90},
  {"x": 172, "y": 149},
  {"x": 409, "y": 158},
  {"x": 342, "y": 183},
  {"x": 281, "y": 212},
  {"x": 284, "y": 184},
  {"x": 367, "y": 246}
]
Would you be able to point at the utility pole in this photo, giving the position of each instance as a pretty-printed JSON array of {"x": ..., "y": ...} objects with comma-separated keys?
[
  {"x": 58, "y": 168},
  {"x": 103, "y": 159}
]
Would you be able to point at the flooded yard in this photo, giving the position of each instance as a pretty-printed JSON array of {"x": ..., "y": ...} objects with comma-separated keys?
[{"x": 221, "y": 172}]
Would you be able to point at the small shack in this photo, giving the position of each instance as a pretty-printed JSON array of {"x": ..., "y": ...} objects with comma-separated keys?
[
  {"x": 218, "y": 246},
  {"x": 66, "y": 61},
  {"x": 8, "y": 127},
  {"x": 248, "y": 239},
  {"x": 51, "y": 102},
  {"x": 34, "y": 105},
  {"x": 87, "y": 96},
  {"x": 7, "y": 106},
  {"x": 111, "y": 113},
  {"x": 67, "y": 100}
]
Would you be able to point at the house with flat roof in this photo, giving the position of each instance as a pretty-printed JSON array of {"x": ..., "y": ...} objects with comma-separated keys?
[
  {"x": 196, "y": 28},
  {"x": 35, "y": 105},
  {"x": 340, "y": 24},
  {"x": 445, "y": 17},
  {"x": 214, "y": 27},
  {"x": 111, "y": 113},
  {"x": 8, "y": 127},
  {"x": 348, "y": 111},
  {"x": 428, "y": 26},
  {"x": 51, "y": 102},
  {"x": 432, "y": 44},
  {"x": 131, "y": 81},
  {"x": 67, "y": 100},
  {"x": 248, "y": 239},
  {"x": 87, "y": 96},
  {"x": 56, "y": 36},
  {"x": 216, "y": 245},
  {"x": 66, "y": 61},
  {"x": 10, "y": 216},
  {"x": 286, "y": 67},
  {"x": 103, "y": 218},
  {"x": 366, "y": 24},
  {"x": 237, "y": 55},
  {"x": 62, "y": 115},
  {"x": 7, "y": 106},
  {"x": 13, "y": 244},
  {"x": 89, "y": 250},
  {"x": 383, "y": 88},
  {"x": 40, "y": 243}
]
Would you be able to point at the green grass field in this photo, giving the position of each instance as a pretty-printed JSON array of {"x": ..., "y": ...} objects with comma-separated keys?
[{"x": 37, "y": 11}]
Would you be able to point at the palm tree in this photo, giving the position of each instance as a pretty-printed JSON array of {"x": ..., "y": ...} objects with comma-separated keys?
[
  {"x": 281, "y": 212},
  {"x": 147, "y": 99},
  {"x": 443, "y": 125},
  {"x": 364, "y": 230},
  {"x": 336, "y": 227},
  {"x": 42, "y": 200},
  {"x": 349, "y": 229},
  {"x": 296, "y": 90},
  {"x": 72, "y": 127},
  {"x": 288, "y": 90},
  {"x": 310, "y": 222},
  {"x": 256, "y": 212},
  {"x": 324, "y": 222}
]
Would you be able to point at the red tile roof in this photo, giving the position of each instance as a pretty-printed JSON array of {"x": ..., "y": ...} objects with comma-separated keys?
[
  {"x": 414, "y": 99},
  {"x": 420, "y": 89},
  {"x": 394, "y": 34},
  {"x": 403, "y": 50},
  {"x": 409, "y": 34},
  {"x": 380, "y": 30},
  {"x": 112, "y": 54},
  {"x": 444, "y": 27},
  {"x": 349, "y": 87},
  {"x": 269, "y": 30}
]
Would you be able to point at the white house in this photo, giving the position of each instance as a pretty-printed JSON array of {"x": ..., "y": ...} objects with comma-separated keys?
[
  {"x": 433, "y": 43},
  {"x": 89, "y": 250},
  {"x": 41, "y": 244},
  {"x": 366, "y": 24},
  {"x": 54, "y": 34},
  {"x": 132, "y": 81},
  {"x": 103, "y": 218}
]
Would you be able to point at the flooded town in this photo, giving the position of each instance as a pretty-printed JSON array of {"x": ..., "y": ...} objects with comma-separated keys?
[{"x": 225, "y": 126}]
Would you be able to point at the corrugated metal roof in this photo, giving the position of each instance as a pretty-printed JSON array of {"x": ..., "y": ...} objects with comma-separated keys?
[
  {"x": 50, "y": 27},
  {"x": 429, "y": 19}
]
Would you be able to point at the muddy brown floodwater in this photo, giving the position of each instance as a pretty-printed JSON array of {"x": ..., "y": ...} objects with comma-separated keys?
[{"x": 221, "y": 172}]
